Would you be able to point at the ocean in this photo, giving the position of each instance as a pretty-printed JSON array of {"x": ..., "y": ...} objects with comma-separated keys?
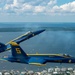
[{"x": 57, "y": 38}]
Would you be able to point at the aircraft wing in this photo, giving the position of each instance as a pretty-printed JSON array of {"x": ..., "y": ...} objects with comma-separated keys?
[
  {"x": 26, "y": 36},
  {"x": 37, "y": 64},
  {"x": 37, "y": 61},
  {"x": 20, "y": 39}
]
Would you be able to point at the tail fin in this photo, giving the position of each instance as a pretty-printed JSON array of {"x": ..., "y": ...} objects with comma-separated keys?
[{"x": 17, "y": 50}]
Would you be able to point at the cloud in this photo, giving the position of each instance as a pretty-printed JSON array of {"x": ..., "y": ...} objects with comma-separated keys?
[
  {"x": 27, "y": 7},
  {"x": 38, "y": 9},
  {"x": 37, "y": 6},
  {"x": 52, "y": 2},
  {"x": 67, "y": 8}
]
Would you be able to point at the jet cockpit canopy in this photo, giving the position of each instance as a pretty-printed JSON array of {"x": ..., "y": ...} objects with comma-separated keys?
[{"x": 66, "y": 55}]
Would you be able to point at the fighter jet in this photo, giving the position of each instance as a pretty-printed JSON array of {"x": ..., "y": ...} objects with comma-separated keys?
[
  {"x": 19, "y": 56},
  {"x": 28, "y": 35}
]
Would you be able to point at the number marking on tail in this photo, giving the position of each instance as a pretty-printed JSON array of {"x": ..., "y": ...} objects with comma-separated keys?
[{"x": 18, "y": 51}]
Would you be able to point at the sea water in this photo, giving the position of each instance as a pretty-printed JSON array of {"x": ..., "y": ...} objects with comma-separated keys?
[{"x": 58, "y": 38}]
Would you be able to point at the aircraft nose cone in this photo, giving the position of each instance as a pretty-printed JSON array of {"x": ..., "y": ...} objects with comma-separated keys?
[
  {"x": 39, "y": 31},
  {"x": 72, "y": 60}
]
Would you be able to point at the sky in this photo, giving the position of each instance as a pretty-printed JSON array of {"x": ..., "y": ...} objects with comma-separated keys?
[{"x": 37, "y": 10}]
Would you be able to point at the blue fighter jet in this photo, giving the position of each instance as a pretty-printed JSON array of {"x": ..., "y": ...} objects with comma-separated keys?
[
  {"x": 19, "y": 56},
  {"x": 28, "y": 35}
]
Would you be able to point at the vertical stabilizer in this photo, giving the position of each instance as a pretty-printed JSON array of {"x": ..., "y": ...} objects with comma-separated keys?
[{"x": 17, "y": 50}]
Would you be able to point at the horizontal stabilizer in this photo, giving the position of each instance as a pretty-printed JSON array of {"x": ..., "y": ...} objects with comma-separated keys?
[{"x": 3, "y": 59}]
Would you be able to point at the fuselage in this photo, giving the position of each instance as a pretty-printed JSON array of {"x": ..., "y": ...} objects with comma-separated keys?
[
  {"x": 56, "y": 58},
  {"x": 38, "y": 59}
]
